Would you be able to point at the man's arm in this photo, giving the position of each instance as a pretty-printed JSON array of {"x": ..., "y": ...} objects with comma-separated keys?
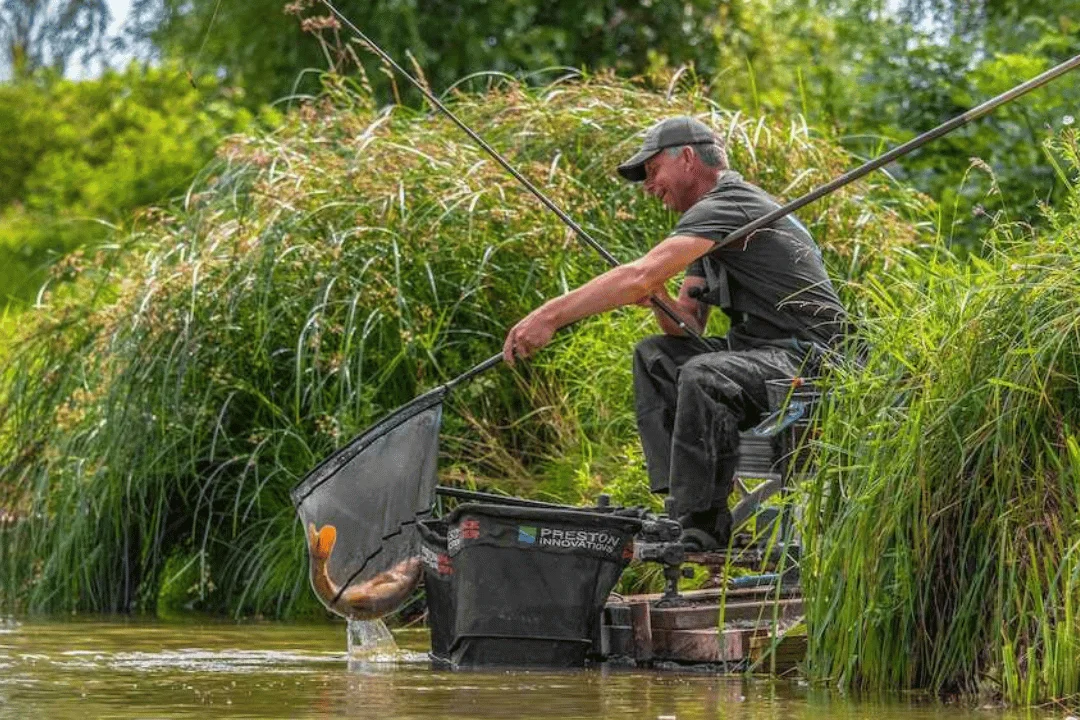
[{"x": 621, "y": 285}]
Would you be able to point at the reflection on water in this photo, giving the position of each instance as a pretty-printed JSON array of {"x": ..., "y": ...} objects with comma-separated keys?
[{"x": 89, "y": 669}]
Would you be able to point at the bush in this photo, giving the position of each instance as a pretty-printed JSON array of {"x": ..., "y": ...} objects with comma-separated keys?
[{"x": 81, "y": 156}]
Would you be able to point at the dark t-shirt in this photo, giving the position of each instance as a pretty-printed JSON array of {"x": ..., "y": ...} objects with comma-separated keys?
[{"x": 772, "y": 284}]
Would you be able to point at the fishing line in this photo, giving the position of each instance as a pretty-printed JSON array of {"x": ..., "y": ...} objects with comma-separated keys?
[{"x": 206, "y": 36}]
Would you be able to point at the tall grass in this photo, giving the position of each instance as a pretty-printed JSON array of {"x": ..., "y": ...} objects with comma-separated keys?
[
  {"x": 158, "y": 409},
  {"x": 943, "y": 527}
]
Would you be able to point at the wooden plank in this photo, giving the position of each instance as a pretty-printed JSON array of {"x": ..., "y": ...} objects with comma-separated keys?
[
  {"x": 641, "y": 627},
  {"x": 789, "y": 652},
  {"x": 713, "y": 594},
  {"x": 701, "y": 645},
  {"x": 708, "y": 616},
  {"x": 693, "y": 617},
  {"x": 783, "y": 609}
]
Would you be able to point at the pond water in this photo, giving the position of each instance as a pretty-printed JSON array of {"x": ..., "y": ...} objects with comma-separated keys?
[{"x": 127, "y": 669}]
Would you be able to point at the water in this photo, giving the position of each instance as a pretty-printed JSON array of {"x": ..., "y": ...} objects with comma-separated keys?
[
  {"x": 89, "y": 669},
  {"x": 370, "y": 641}
]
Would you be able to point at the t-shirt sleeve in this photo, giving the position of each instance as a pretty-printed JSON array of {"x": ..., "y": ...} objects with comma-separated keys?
[
  {"x": 711, "y": 220},
  {"x": 696, "y": 269}
]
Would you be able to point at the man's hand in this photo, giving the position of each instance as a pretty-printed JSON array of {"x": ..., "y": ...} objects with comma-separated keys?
[
  {"x": 533, "y": 332},
  {"x": 691, "y": 311}
]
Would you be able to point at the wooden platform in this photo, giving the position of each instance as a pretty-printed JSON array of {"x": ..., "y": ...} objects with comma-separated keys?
[{"x": 756, "y": 628}]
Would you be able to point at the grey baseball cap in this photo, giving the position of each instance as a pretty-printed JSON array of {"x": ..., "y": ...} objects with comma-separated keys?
[{"x": 672, "y": 132}]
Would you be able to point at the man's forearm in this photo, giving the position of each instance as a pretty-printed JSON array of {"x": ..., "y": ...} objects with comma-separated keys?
[{"x": 619, "y": 286}]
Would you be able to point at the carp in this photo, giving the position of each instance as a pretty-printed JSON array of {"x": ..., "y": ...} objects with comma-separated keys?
[{"x": 367, "y": 600}]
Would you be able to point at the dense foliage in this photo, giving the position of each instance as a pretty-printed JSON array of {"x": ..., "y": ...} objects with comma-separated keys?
[
  {"x": 874, "y": 73},
  {"x": 943, "y": 532},
  {"x": 158, "y": 412},
  {"x": 79, "y": 157},
  {"x": 262, "y": 46},
  {"x": 878, "y": 72}
]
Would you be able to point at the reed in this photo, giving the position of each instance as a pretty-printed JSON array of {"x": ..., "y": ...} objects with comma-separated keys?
[
  {"x": 942, "y": 529},
  {"x": 157, "y": 410}
]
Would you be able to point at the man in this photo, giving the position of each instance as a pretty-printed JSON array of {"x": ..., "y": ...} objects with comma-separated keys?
[{"x": 693, "y": 400}]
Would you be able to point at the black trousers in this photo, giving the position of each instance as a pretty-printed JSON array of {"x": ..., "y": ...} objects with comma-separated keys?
[{"x": 691, "y": 405}]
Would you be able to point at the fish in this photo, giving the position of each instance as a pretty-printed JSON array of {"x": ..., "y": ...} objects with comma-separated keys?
[{"x": 370, "y": 599}]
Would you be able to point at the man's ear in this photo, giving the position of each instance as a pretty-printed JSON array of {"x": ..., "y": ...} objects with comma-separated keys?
[{"x": 687, "y": 155}]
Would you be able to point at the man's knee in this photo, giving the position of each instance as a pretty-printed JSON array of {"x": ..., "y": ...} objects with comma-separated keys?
[
  {"x": 709, "y": 374},
  {"x": 650, "y": 347},
  {"x": 648, "y": 351}
]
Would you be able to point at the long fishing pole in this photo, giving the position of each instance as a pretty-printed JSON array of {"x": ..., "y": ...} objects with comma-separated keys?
[{"x": 548, "y": 202}]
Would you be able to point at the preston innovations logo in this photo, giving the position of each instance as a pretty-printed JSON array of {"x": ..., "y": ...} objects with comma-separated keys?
[
  {"x": 602, "y": 542},
  {"x": 527, "y": 534},
  {"x": 453, "y": 539},
  {"x": 596, "y": 541}
]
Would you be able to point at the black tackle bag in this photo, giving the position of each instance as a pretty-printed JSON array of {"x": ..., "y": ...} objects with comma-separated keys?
[
  {"x": 522, "y": 586},
  {"x": 438, "y": 588}
]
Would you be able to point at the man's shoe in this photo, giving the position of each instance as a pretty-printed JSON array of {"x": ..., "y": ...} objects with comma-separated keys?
[
  {"x": 699, "y": 531},
  {"x": 697, "y": 540}
]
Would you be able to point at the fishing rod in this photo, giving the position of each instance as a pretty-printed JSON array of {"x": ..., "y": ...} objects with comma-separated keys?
[{"x": 746, "y": 230}]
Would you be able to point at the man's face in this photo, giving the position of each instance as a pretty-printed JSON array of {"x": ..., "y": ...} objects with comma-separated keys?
[{"x": 668, "y": 177}]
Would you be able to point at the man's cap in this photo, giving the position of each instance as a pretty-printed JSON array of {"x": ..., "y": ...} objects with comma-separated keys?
[{"x": 672, "y": 132}]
